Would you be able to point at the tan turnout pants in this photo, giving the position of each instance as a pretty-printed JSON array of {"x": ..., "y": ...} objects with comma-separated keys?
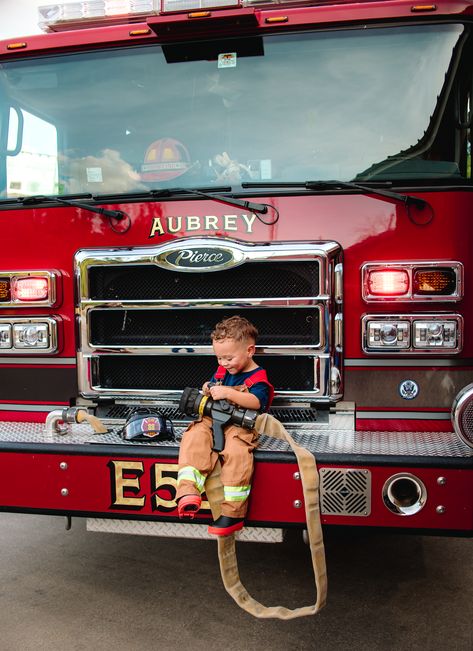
[{"x": 236, "y": 458}]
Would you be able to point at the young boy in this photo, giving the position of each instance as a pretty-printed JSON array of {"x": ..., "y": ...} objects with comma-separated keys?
[{"x": 241, "y": 381}]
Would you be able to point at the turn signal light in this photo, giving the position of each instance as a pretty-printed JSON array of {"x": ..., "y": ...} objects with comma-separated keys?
[
  {"x": 30, "y": 289},
  {"x": 434, "y": 282},
  {"x": 5, "y": 290}
]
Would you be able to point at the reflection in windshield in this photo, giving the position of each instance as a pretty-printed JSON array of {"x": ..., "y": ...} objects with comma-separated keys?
[{"x": 367, "y": 104}]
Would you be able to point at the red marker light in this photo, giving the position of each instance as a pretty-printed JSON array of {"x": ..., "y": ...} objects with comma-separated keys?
[
  {"x": 30, "y": 289},
  {"x": 388, "y": 282}
]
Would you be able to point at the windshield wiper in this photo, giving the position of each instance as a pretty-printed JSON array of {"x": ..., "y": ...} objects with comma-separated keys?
[
  {"x": 40, "y": 198},
  {"x": 334, "y": 185},
  {"x": 213, "y": 195}
]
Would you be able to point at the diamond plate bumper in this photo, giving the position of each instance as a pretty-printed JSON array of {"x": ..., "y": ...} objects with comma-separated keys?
[
  {"x": 180, "y": 530},
  {"x": 317, "y": 439}
]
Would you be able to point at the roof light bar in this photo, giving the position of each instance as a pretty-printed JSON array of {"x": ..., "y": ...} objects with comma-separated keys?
[
  {"x": 171, "y": 6},
  {"x": 68, "y": 15}
]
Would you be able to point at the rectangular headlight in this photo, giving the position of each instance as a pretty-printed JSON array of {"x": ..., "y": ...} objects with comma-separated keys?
[
  {"x": 435, "y": 334},
  {"x": 23, "y": 335},
  {"x": 416, "y": 333},
  {"x": 5, "y": 335}
]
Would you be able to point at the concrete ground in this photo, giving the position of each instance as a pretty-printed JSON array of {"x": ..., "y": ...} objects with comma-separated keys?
[{"x": 74, "y": 590}]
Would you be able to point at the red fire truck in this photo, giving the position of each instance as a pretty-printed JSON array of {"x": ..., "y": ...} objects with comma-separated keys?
[{"x": 304, "y": 164}]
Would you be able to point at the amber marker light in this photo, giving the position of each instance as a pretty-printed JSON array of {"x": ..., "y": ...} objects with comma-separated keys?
[
  {"x": 436, "y": 282},
  {"x": 199, "y": 14},
  {"x": 421, "y": 8},
  {"x": 276, "y": 19},
  {"x": 5, "y": 290},
  {"x": 388, "y": 282},
  {"x": 139, "y": 32},
  {"x": 16, "y": 46}
]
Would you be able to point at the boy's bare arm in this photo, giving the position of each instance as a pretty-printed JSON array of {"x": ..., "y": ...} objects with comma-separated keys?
[{"x": 241, "y": 398}]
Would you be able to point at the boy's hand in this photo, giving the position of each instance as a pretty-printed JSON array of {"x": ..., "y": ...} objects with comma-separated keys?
[
  {"x": 219, "y": 392},
  {"x": 243, "y": 398}
]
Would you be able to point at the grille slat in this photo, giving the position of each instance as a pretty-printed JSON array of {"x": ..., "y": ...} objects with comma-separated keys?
[
  {"x": 250, "y": 280},
  {"x": 191, "y": 327},
  {"x": 174, "y": 373}
]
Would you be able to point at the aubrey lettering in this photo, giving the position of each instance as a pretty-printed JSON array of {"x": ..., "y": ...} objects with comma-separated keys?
[{"x": 190, "y": 223}]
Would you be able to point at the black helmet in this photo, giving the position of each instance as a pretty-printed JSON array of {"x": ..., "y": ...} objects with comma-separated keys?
[{"x": 148, "y": 424}]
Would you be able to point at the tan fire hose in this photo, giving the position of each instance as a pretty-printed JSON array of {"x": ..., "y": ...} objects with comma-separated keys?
[
  {"x": 94, "y": 422},
  {"x": 268, "y": 425}
]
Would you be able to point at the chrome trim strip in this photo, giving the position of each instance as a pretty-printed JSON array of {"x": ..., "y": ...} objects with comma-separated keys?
[
  {"x": 409, "y": 266},
  {"x": 49, "y": 361},
  {"x": 404, "y": 415},
  {"x": 204, "y": 303},
  {"x": 407, "y": 361},
  {"x": 16, "y": 407},
  {"x": 198, "y": 350}
]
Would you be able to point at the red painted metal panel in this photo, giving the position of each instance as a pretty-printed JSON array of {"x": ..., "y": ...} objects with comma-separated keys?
[{"x": 145, "y": 488}]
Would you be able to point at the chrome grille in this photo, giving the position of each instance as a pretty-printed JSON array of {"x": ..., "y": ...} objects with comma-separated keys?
[{"x": 145, "y": 326}]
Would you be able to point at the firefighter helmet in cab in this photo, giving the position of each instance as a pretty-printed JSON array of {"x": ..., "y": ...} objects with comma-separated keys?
[{"x": 165, "y": 159}]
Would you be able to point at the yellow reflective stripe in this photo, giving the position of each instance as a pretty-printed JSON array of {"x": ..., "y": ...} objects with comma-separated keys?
[
  {"x": 190, "y": 473},
  {"x": 236, "y": 493}
]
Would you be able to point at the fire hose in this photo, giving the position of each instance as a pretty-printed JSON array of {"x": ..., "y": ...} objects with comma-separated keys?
[
  {"x": 194, "y": 403},
  {"x": 268, "y": 425}
]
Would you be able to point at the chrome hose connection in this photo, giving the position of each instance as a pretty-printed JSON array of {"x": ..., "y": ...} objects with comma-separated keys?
[
  {"x": 59, "y": 421},
  {"x": 404, "y": 494}
]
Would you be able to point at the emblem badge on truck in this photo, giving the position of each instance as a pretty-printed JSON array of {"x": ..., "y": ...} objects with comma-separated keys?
[{"x": 198, "y": 258}]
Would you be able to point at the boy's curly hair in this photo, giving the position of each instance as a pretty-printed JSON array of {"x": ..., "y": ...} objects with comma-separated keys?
[{"x": 235, "y": 327}]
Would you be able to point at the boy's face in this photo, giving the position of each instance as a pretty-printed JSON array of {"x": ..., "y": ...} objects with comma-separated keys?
[{"x": 234, "y": 356}]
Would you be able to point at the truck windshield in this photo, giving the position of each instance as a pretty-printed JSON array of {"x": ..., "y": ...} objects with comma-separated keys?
[{"x": 391, "y": 103}]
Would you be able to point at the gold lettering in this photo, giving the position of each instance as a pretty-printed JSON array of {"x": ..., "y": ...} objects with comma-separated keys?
[
  {"x": 193, "y": 223},
  {"x": 120, "y": 483},
  {"x": 177, "y": 228},
  {"x": 211, "y": 222},
  {"x": 249, "y": 221},
  {"x": 156, "y": 227},
  {"x": 161, "y": 481},
  {"x": 230, "y": 222},
  {"x": 164, "y": 480}
]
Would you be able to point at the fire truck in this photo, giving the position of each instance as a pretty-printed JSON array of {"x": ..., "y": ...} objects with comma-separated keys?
[{"x": 307, "y": 165}]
